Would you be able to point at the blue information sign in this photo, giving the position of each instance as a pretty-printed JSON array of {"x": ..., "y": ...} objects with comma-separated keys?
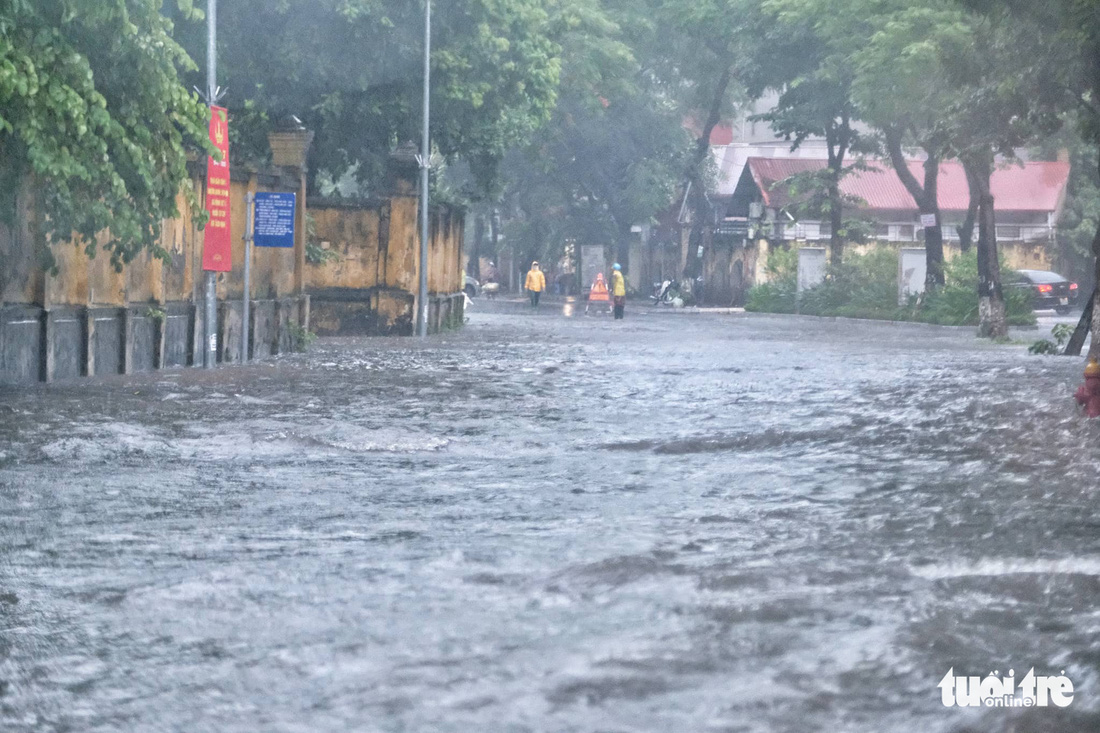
[{"x": 274, "y": 223}]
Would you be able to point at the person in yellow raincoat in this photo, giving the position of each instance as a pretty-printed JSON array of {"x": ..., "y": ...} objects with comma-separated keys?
[
  {"x": 535, "y": 284},
  {"x": 618, "y": 290}
]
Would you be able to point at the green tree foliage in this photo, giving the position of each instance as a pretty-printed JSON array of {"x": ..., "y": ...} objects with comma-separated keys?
[
  {"x": 806, "y": 55},
  {"x": 611, "y": 154},
  {"x": 702, "y": 49},
  {"x": 1073, "y": 28},
  {"x": 902, "y": 89},
  {"x": 352, "y": 71},
  {"x": 93, "y": 116}
]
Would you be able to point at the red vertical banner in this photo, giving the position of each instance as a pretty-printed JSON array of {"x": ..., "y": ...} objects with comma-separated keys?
[{"x": 217, "y": 250}]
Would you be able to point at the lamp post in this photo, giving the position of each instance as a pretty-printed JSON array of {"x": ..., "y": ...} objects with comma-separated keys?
[
  {"x": 425, "y": 167},
  {"x": 210, "y": 318}
]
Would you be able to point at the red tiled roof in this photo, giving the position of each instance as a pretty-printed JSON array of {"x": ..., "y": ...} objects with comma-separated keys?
[
  {"x": 1031, "y": 187},
  {"x": 720, "y": 134}
]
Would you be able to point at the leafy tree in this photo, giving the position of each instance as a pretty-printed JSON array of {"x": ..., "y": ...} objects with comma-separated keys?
[
  {"x": 806, "y": 53},
  {"x": 703, "y": 46},
  {"x": 611, "y": 154},
  {"x": 1081, "y": 212},
  {"x": 94, "y": 119},
  {"x": 352, "y": 71},
  {"x": 1007, "y": 96},
  {"x": 1073, "y": 28},
  {"x": 902, "y": 88}
]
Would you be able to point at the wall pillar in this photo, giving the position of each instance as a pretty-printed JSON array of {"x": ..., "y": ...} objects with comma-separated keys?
[
  {"x": 89, "y": 343},
  {"x": 290, "y": 143},
  {"x": 127, "y": 338}
]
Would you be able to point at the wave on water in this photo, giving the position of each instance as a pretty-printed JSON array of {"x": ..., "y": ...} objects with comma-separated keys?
[{"x": 1001, "y": 567}]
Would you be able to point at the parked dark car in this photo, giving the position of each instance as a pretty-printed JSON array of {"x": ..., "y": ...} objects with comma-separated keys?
[{"x": 1049, "y": 289}]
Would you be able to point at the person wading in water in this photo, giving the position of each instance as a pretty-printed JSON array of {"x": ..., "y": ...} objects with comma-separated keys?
[
  {"x": 618, "y": 290},
  {"x": 536, "y": 283}
]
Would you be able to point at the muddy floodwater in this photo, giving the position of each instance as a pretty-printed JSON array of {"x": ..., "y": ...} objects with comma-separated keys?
[{"x": 683, "y": 523}]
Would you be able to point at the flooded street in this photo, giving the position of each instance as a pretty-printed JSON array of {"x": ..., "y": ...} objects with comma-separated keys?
[{"x": 675, "y": 522}]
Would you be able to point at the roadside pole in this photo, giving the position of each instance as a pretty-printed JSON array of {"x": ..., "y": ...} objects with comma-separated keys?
[
  {"x": 425, "y": 166},
  {"x": 210, "y": 319},
  {"x": 249, "y": 235}
]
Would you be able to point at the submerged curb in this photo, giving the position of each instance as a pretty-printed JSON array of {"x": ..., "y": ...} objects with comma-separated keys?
[
  {"x": 881, "y": 323},
  {"x": 691, "y": 310}
]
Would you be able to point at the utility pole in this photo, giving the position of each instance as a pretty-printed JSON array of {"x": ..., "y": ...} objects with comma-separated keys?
[
  {"x": 425, "y": 167},
  {"x": 210, "y": 319}
]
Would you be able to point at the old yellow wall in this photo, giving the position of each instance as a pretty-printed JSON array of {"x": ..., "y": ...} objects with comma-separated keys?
[
  {"x": 22, "y": 278},
  {"x": 176, "y": 238},
  {"x": 401, "y": 255},
  {"x": 353, "y": 235},
  {"x": 445, "y": 253},
  {"x": 1025, "y": 256},
  {"x": 273, "y": 268},
  {"x": 367, "y": 258}
]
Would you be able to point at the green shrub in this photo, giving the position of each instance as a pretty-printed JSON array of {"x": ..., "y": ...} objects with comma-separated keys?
[
  {"x": 301, "y": 338},
  {"x": 778, "y": 294},
  {"x": 862, "y": 286},
  {"x": 866, "y": 286},
  {"x": 1061, "y": 334},
  {"x": 956, "y": 303}
]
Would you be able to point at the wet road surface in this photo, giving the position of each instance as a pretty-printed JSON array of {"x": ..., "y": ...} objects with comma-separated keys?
[{"x": 670, "y": 523}]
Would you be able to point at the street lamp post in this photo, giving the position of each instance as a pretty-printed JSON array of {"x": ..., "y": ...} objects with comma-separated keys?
[
  {"x": 210, "y": 318},
  {"x": 425, "y": 167}
]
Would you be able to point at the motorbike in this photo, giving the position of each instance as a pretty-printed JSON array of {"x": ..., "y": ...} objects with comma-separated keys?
[{"x": 665, "y": 293}]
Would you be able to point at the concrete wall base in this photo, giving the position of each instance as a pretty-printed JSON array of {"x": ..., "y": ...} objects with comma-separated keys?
[
  {"x": 65, "y": 342},
  {"x": 380, "y": 312}
]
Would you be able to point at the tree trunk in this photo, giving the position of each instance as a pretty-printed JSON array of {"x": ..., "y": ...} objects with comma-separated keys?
[
  {"x": 966, "y": 231},
  {"x": 933, "y": 238},
  {"x": 622, "y": 247},
  {"x": 837, "y": 138},
  {"x": 991, "y": 305},
  {"x": 1094, "y": 349},
  {"x": 697, "y": 196},
  {"x": 1084, "y": 326},
  {"x": 927, "y": 200},
  {"x": 836, "y": 220},
  {"x": 473, "y": 267},
  {"x": 700, "y": 210},
  {"x": 494, "y": 237}
]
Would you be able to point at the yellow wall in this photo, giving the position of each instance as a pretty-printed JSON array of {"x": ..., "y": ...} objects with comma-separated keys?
[
  {"x": 83, "y": 281},
  {"x": 21, "y": 277},
  {"x": 366, "y": 257}
]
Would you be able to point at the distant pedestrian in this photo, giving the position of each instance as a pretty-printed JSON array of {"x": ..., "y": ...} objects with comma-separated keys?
[
  {"x": 536, "y": 283},
  {"x": 599, "y": 293},
  {"x": 618, "y": 290},
  {"x": 565, "y": 283}
]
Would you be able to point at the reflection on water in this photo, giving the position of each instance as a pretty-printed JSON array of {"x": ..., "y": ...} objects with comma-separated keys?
[{"x": 715, "y": 524}]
